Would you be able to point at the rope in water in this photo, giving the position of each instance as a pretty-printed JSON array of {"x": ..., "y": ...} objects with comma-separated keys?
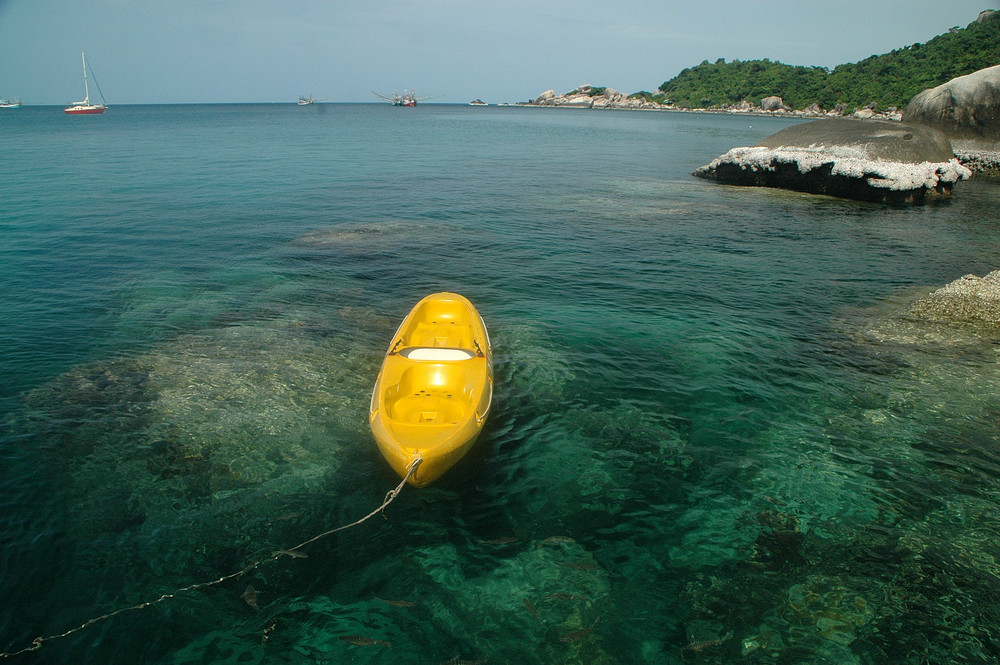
[{"x": 392, "y": 494}]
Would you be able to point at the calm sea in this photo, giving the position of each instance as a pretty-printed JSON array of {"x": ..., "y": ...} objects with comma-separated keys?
[{"x": 714, "y": 438}]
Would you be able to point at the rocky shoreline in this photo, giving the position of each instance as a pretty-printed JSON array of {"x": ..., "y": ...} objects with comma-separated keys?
[
  {"x": 592, "y": 97},
  {"x": 975, "y": 156},
  {"x": 979, "y": 161}
]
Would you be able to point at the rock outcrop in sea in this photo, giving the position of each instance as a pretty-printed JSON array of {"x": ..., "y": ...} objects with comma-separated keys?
[
  {"x": 868, "y": 160},
  {"x": 590, "y": 97},
  {"x": 967, "y": 109}
]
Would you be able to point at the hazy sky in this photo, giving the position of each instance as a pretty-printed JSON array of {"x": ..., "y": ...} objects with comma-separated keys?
[{"x": 191, "y": 51}]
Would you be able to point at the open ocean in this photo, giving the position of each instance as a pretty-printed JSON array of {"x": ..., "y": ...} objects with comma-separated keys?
[{"x": 713, "y": 440}]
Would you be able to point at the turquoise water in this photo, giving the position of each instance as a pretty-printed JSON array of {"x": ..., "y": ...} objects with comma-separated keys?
[{"x": 713, "y": 439}]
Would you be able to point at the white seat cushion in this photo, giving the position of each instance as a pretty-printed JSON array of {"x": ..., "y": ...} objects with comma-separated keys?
[{"x": 436, "y": 353}]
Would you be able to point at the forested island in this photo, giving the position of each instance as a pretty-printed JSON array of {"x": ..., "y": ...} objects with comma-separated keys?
[{"x": 881, "y": 82}]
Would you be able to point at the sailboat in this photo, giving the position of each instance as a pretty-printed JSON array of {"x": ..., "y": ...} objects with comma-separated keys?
[{"x": 85, "y": 107}]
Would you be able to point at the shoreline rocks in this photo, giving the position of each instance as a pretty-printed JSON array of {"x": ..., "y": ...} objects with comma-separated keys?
[
  {"x": 591, "y": 97},
  {"x": 978, "y": 161},
  {"x": 965, "y": 112}
]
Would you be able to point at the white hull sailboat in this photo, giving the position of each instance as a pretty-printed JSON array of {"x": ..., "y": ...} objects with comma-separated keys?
[{"x": 85, "y": 107}]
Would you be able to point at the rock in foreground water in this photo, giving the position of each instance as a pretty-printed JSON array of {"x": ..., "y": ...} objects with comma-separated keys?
[
  {"x": 868, "y": 160},
  {"x": 969, "y": 299}
]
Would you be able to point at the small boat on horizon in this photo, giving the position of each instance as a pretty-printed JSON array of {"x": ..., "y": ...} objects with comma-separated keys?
[
  {"x": 478, "y": 102},
  {"x": 85, "y": 107},
  {"x": 310, "y": 100},
  {"x": 10, "y": 103},
  {"x": 434, "y": 389}
]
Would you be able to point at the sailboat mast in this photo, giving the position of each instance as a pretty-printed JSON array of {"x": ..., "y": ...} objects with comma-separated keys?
[
  {"x": 86, "y": 88},
  {"x": 85, "y": 107}
]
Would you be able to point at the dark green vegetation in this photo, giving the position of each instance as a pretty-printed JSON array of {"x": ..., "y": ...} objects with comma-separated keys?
[
  {"x": 887, "y": 80},
  {"x": 590, "y": 91}
]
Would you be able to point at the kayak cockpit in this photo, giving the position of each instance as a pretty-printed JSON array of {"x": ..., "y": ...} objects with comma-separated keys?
[{"x": 431, "y": 393}]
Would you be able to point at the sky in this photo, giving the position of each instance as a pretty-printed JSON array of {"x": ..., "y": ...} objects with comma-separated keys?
[{"x": 452, "y": 51}]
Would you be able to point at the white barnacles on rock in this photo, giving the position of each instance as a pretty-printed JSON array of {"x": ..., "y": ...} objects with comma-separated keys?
[{"x": 868, "y": 160}]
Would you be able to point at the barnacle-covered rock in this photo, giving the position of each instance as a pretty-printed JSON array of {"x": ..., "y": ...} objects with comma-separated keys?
[
  {"x": 969, "y": 299},
  {"x": 868, "y": 160}
]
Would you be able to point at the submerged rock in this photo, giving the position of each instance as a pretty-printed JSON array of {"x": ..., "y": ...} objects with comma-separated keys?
[
  {"x": 969, "y": 299},
  {"x": 868, "y": 160},
  {"x": 958, "y": 320}
]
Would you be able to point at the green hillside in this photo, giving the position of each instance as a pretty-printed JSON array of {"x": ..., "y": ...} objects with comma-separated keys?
[{"x": 891, "y": 79}]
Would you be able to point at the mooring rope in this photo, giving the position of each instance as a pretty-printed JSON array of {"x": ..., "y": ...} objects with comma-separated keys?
[{"x": 390, "y": 495}]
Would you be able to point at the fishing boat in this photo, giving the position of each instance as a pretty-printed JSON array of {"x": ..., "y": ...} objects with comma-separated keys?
[
  {"x": 434, "y": 389},
  {"x": 405, "y": 98},
  {"x": 10, "y": 103},
  {"x": 306, "y": 101},
  {"x": 85, "y": 107}
]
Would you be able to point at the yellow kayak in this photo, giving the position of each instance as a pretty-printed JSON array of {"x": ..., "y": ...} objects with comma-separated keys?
[{"x": 433, "y": 392}]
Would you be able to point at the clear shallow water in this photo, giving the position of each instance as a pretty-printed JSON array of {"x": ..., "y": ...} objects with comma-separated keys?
[{"x": 712, "y": 441}]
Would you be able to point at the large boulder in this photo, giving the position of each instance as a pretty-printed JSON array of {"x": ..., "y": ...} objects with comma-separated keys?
[
  {"x": 773, "y": 103},
  {"x": 965, "y": 107},
  {"x": 578, "y": 100},
  {"x": 868, "y": 160},
  {"x": 546, "y": 96}
]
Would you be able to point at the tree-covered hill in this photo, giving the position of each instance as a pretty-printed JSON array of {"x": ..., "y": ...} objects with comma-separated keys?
[{"x": 887, "y": 80}]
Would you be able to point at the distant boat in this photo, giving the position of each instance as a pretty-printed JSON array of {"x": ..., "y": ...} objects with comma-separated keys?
[
  {"x": 405, "y": 98},
  {"x": 310, "y": 100},
  {"x": 85, "y": 107},
  {"x": 478, "y": 102},
  {"x": 10, "y": 104}
]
